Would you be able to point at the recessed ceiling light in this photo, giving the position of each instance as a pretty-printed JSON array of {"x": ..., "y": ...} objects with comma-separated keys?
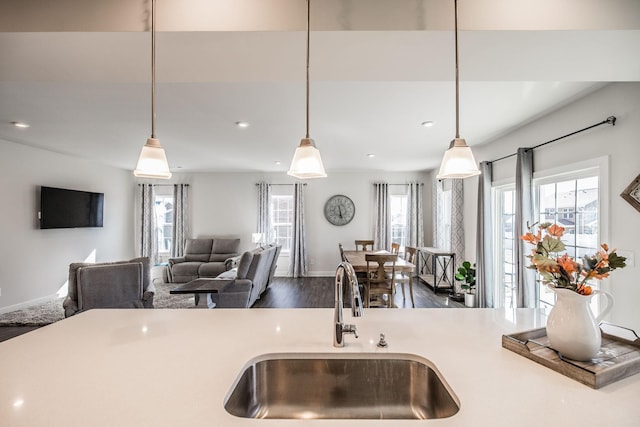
[
  {"x": 242, "y": 124},
  {"x": 371, "y": 155},
  {"x": 20, "y": 125},
  {"x": 427, "y": 124},
  {"x": 277, "y": 162}
]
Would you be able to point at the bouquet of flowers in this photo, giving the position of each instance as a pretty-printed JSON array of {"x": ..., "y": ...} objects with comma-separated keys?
[{"x": 562, "y": 271}]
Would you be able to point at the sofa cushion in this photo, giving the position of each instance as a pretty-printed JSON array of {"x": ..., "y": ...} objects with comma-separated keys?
[
  {"x": 210, "y": 269},
  {"x": 220, "y": 257},
  {"x": 198, "y": 249},
  {"x": 185, "y": 271},
  {"x": 225, "y": 246},
  {"x": 229, "y": 274},
  {"x": 110, "y": 286}
]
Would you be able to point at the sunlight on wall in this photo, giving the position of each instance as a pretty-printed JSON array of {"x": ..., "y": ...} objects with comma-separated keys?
[{"x": 64, "y": 289}]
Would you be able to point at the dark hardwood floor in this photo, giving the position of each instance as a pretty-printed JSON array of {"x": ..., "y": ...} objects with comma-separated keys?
[
  {"x": 317, "y": 292},
  {"x": 310, "y": 292}
]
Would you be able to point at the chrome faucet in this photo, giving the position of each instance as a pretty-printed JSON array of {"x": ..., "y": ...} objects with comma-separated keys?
[{"x": 345, "y": 270}]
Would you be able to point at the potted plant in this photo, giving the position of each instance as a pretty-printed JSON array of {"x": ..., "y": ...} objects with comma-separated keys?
[{"x": 467, "y": 275}]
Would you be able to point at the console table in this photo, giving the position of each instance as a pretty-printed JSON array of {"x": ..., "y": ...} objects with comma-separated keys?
[{"x": 436, "y": 267}]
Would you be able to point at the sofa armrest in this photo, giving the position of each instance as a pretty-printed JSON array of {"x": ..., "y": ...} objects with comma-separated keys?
[
  {"x": 70, "y": 307},
  {"x": 177, "y": 260},
  {"x": 235, "y": 294}
]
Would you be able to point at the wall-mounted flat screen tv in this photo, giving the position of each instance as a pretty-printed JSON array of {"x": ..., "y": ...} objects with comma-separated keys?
[{"x": 62, "y": 208}]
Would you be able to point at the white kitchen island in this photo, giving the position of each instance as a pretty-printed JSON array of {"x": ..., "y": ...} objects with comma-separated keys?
[{"x": 175, "y": 367}]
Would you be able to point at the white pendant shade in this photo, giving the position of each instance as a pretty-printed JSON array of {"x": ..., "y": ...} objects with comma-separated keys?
[
  {"x": 458, "y": 161},
  {"x": 152, "y": 162},
  {"x": 307, "y": 162}
]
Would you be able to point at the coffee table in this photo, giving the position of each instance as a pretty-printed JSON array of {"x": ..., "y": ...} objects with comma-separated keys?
[{"x": 201, "y": 286}]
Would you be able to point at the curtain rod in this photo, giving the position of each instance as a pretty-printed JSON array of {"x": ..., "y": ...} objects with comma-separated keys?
[
  {"x": 609, "y": 120},
  {"x": 419, "y": 183},
  {"x": 164, "y": 185},
  {"x": 304, "y": 183}
]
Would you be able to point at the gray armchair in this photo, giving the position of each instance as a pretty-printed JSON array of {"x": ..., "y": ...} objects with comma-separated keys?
[{"x": 124, "y": 284}]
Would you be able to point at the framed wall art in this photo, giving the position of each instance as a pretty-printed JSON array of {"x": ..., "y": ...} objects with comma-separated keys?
[{"x": 632, "y": 193}]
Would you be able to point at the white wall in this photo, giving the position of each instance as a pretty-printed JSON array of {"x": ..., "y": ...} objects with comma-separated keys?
[
  {"x": 225, "y": 204},
  {"x": 619, "y": 143},
  {"x": 35, "y": 262}
]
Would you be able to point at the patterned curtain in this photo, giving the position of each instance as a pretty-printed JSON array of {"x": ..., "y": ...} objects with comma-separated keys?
[
  {"x": 180, "y": 227},
  {"x": 264, "y": 214},
  {"x": 415, "y": 226},
  {"x": 484, "y": 239},
  {"x": 457, "y": 220},
  {"x": 298, "y": 266},
  {"x": 148, "y": 229},
  {"x": 527, "y": 293},
  {"x": 440, "y": 239},
  {"x": 382, "y": 232}
]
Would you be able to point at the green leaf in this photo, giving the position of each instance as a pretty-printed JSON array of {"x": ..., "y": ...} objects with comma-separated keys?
[
  {"x": 552, "y": 244},
  {"x": 616, "y": 261},
  {"x": 466, "y": 265}
]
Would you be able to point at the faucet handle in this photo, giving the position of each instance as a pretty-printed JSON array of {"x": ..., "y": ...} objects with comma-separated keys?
[{"x": 350, "y": 329}]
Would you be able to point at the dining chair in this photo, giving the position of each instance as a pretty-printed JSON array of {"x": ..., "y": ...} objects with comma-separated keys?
[
  {"x": 380, "y": 282},
  {"x": 395, "y": 248},
  {"x": 364, "y": 245},
  {"x": 403, "y": 277},
  {"x": 342, "y": 257}
]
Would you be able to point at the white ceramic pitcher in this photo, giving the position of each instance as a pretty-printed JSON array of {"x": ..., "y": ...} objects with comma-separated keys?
[{"x": 571, "y": 326}]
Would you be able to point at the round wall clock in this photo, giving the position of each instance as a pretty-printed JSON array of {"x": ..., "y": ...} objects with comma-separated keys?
[{"x": 339, "y": 210}]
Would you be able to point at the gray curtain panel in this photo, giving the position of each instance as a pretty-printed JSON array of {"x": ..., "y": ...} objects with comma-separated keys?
[
  {"x": 484, "y": 239},
  {"x": 415, "y": 232},
  {"x": 264, "y": 211},
  {"x": 527, "y": 293},
  {"x": 298, "y": 266},
  {"x": 148, "y": 229},
  {"x": 382, "y": 231},
  {"x": 180, "y": 226}
]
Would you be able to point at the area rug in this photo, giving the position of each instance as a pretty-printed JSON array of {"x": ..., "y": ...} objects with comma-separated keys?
[{"x": 52, "y": 311}]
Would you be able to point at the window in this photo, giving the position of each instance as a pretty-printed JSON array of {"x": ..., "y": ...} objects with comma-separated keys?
[
  {"x": 398, "y": 211},
  {"x": 572, "y": 203},
  {"x": 164, "y": 223},
  {"x": 505, "y": 241},
  {"x": 572, "y": 200},
  {"x": 282, "y": 220}
]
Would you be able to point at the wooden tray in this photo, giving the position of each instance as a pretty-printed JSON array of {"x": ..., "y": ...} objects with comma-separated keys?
[{"x": 617, "y": 358}]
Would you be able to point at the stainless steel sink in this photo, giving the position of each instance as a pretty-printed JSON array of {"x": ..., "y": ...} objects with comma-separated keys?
[{"x": 341, "y": 386}]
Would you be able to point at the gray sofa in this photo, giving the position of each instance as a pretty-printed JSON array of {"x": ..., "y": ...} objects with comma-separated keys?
[
  {"x": 121, "y": 284},
  {"x": 203, "y": 258},
  {"x": 248, "y": 280}
]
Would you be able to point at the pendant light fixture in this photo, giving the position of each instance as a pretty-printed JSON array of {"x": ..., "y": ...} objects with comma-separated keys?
[
  {"x": 458, "y": 160},
  {"x": 307, "y": 162},
  {"x": 152, "y": 162}
]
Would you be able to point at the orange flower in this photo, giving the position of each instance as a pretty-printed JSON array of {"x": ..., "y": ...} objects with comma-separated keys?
[
  {"x": 555, "y": 230},
  {"x": 532, "y": 238},
  {"x": 606, "y": 247},
  {"x": 584, "y": 289},
  {"x": 566, "y": 262}
]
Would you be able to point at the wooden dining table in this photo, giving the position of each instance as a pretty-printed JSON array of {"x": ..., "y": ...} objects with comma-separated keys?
[{"x": 358, "y": 261}]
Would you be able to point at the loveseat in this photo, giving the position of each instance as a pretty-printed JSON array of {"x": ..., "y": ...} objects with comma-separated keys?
[
  {"x": 121, "y": 284},
  {"x": 203, "y": 258},
  {"x": 248, "y": 280}
]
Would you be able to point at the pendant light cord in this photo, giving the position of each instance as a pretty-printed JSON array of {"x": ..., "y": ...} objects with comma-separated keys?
[
  {"x": 455, "y": 8},
  {"x": 153, "y": 68},
  {"x": 308, "y": 36}
]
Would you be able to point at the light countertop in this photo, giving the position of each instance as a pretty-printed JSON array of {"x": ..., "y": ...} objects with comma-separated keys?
[{"x": 175, "y": 367}]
